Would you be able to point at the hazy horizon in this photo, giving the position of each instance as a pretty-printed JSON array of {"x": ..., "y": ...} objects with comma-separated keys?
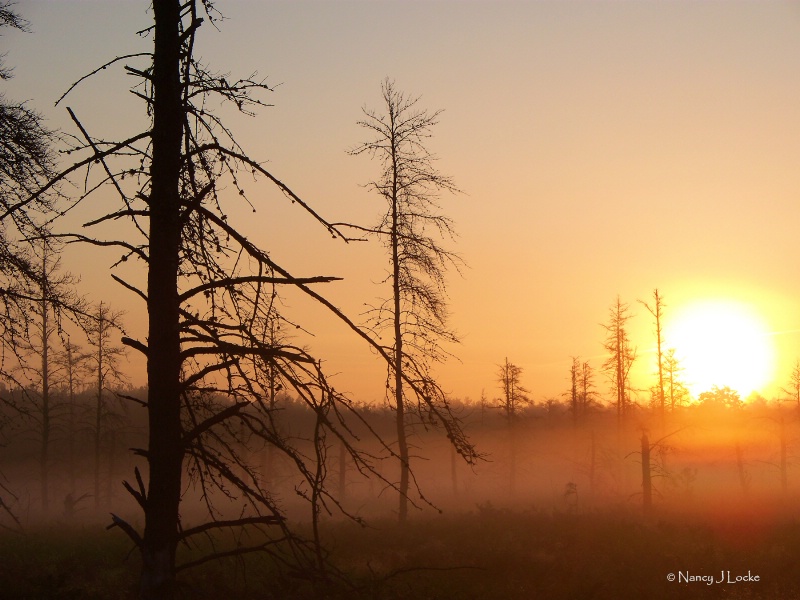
[{"x": 604, "y": 148}]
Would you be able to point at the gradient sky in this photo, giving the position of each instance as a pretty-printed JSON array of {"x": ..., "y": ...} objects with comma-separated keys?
[{"x": 604, "y": 148}]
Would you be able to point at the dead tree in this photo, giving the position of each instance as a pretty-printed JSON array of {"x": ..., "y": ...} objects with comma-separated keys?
[
  {"x": 515, "y": 396},
  {"x": 657, "y": 311},
  {"x": 648, "y": 467},
  {"x": 70, "y": 364},
  {"x": 415, "y": 313},
  {"x": 677, "y": 392},
  {"x": 744, "y": 476},
  {"x": 647, "y": 485},
  {"x": 210, "y": 298},
  {"x": 793, "y": 389},
  {"x": 37, "y": 366},
  {"x": 103, "y": 361},
  {"x": 574, "y": 394},
  {"x": 581, "y": 392},
  {"x": 26, "y": 164},
  {"x": 783, "y": 467},
  {"x": 621, "y": 357}
]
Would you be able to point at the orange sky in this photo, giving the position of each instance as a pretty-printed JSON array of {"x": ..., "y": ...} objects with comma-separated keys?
[{"x": 604, "y": 147}]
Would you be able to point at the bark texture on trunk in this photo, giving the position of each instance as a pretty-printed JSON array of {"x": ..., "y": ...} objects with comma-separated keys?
[{"x": 165, "y": 451}]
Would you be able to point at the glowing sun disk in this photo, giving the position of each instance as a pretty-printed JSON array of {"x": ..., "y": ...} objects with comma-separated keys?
[{"x": 721, "y": 343}]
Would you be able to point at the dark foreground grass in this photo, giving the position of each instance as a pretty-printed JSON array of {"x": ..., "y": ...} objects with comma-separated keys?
[{"x": 485, "y": 554}]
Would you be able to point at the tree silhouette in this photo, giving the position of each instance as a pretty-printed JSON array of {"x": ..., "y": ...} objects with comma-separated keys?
[
  {"x": 27, "y": 286},
  {"x": 26, "y": 164},
  {"x": 415, "y": 313},
  {"x": 721, "y": 397},
  {"x": 211, "y": 298},
  {"x": 36, "y": 365},
  {"x": 657, "y": 311},
  {"x": 621, "y": 357},
  {"x": 581, "y": 391},
  {"x": 586, "y": 394},
  {"x": 515, "y": 396},
  {"x": 70, "y": 365},
  {"x": 793, "y": 389},
  {"x": 103, "y": 364},
  {"x": 677, "y": 392}
]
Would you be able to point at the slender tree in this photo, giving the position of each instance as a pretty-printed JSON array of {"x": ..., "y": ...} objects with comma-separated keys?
[
  {"x": 415, "y": 313},
  {"x": 70, "y": 364},
  {"x": 515, "y": 396},
  {"x": 104, "y": 363},
  {"x": 647, "y": 485},
  {"x": 581, "y": 393},
  {"x": 37, "y": 366},
  {"x": 574, "y": 394},
  {"x": 677, "y": 392},
  {"x": 621, "y": 357},
  {"x": 586, "y": 394},
  {"x": 656, "y": 309},
  {"x": 793, "y": 388}
]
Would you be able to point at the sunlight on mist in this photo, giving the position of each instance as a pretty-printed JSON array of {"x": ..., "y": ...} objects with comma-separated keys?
[{"x": 722, "y": 343}]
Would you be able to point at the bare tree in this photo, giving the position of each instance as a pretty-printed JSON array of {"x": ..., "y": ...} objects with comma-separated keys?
[
  {"x": 34, "y": 351},
  {"x": 621, "y": 357},
  {"x": 211, "y": 298},
  {"x": 415, "y": 313},
  {"x": 657, "y": 311},
  {"x": 103, "y": 362},
  {"x": 793, "y": 389},
  {"x": 70, "y": 364},
  {"x": 581, "y": 392},
  {"x": 574, "y": 394},
  {"x": 677, "y": 392},
  {"x": 586, "y": 394},
  {"x": 515, "y": 396},
  {"x": 27, "y": 305},
  {"x": 26, "y": 163}
]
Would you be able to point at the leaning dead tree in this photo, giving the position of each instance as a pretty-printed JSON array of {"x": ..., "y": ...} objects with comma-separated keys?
[
  {"x": 211, "y": 297},
  {"x": 414, "y": 314}
]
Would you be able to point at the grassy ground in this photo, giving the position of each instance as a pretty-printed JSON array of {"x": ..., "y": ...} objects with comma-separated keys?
[{"x": 488, "y": 554}]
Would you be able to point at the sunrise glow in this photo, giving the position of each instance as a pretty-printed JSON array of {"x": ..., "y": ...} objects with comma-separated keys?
[{"x": 721, "y": 343}]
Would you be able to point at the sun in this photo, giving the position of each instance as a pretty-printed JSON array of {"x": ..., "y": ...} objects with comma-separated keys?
[{"x": 721, "y": 343}]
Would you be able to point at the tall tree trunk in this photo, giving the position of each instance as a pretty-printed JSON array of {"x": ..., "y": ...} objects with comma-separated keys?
[
  {"x": 512, "y": 461},
  {"x": 342, "y": 471},
  {"x": 592, "y": 463},
  {"x": 71, "y": 426},
  {"x": 45, "y": 446},
  {"x": 647, "y": 485},
  {"x": 98, "y": 415},
  {"x": 165, "y": 451},
  {"x": 402, "y": 443},
  {"x": 743, "y": 479},
  {"x": 111, "y": 453},
  {"x": 784, "y": 478},
  {"x": 454, "y": 469}
]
